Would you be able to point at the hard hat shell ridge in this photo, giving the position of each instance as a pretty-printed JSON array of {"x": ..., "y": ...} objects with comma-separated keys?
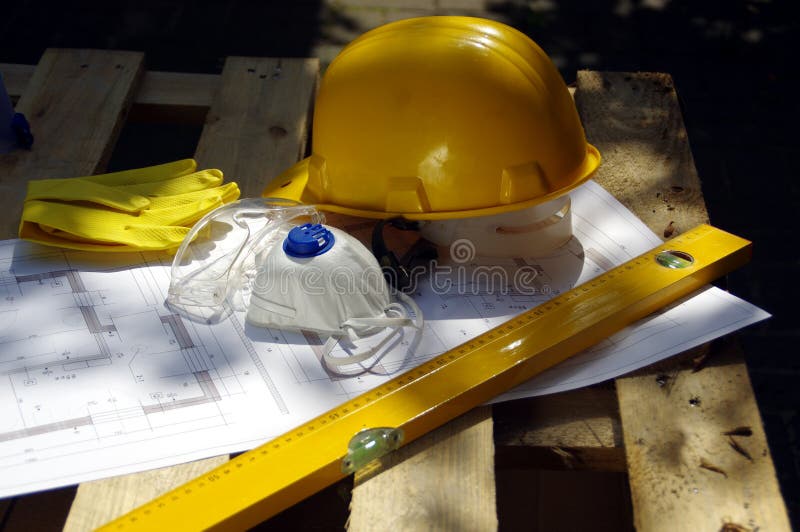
[{"x": 438, "y": 118}]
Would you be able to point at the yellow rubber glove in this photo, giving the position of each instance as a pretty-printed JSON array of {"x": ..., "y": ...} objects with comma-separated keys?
[{"x": 149, "y": 208}]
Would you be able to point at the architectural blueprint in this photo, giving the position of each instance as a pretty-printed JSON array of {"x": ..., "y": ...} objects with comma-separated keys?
[{"x": 99, "y": 377}]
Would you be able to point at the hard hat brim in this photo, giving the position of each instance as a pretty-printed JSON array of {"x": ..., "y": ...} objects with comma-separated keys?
[{"x": 291, "y": 184}]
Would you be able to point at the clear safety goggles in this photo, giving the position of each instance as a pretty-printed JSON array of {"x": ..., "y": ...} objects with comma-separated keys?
[{"x": 217, "y": 260}]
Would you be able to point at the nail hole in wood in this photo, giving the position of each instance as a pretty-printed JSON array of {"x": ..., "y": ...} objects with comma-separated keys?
[{"x": 277, "y": 131}]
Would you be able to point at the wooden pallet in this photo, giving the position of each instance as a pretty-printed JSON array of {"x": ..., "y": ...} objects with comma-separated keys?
[{"x": 256, "y": 118}]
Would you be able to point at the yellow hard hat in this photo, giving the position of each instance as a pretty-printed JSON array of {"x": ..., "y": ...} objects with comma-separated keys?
[{"x": 436, "y": 118}]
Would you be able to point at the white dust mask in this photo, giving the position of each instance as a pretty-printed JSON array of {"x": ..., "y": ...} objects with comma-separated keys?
[
  {"x": 215, "y": 265},
  {"x": 324, "y": 280}
]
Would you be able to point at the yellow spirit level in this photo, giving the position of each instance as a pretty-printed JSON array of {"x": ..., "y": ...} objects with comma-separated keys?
[{"x": 260, "y": 483}]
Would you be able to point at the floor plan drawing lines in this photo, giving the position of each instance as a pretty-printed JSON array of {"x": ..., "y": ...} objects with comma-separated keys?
[
  {"x": 74, "y": 312},
  {"x": 191, "y": 353},
  {"x": 44, "y": 367},
  {"x": 248, "y": 345},
  {"x": 209, "y": 394}
]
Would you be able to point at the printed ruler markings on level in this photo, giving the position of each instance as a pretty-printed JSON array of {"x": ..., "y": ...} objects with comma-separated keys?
[{"x": 262, "y": 482}]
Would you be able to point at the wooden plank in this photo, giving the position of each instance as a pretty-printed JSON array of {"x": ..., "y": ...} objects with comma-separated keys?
[
  {"x": 265, "y": 103},
  {"x": 178, "y": 89},
  {"x": 443, "y": 481},
  {"x": 166, "y": 95},
  {"x": 76, "y": 102},
  {"x": 635, "y": 121},
  {"x": 239, "y": 140},
  {"x": 100, "y": 501},
  {"x": 156, "y": 88},
  {"x": 684, "y": 471},
  {"x": 175, "y": 97},
  {"x": 162, "y": 96},
  {"x": 579, "y": 429},
  {"x": 683, "y": 466}
]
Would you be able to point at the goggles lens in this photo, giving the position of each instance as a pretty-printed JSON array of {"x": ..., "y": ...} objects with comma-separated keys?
[{"x": 216, "y": 261}]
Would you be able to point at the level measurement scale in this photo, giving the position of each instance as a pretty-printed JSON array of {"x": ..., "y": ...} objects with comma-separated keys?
[{"x": 260, "y": 483}]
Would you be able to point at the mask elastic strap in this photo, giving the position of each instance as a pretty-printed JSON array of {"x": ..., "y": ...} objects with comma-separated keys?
[
  {"x": 419, "y": 320},
  {"x": 356, "y": 358},
  {"x": 397, "y": 322}
]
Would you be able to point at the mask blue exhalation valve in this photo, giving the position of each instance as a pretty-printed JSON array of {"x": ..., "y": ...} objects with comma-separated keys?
[{"x": 308, "y": 240}]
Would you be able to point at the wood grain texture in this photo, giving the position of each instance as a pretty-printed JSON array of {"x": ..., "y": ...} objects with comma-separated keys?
[
  {"x": 442, "y": 481},
  {"x": 99, "y": 501},
  {"x": 635, "y": 121},
  {"x": 163, "y": 89},
  {"x": 177, "y": 89},
  {"x": 265, "y": 102},
  {"x": 684, "y": 473},
  {"x": 238, "y": 141},
  {"x": 76, "y": 102},
  {"x": 163, "y": 97},
  {"x": 174, "y": 98}
]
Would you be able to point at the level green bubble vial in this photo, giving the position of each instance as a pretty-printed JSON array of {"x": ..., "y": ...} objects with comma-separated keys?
[
  {"x": 674, "y": 260},
  {"x": 370, "y": 444}
]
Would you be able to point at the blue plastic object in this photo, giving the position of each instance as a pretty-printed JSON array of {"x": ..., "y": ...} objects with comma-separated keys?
[
  {"x": 308, "y": 240},
  {"x": 22, "y": 131},
  {"x": 15, "y": 131}
]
